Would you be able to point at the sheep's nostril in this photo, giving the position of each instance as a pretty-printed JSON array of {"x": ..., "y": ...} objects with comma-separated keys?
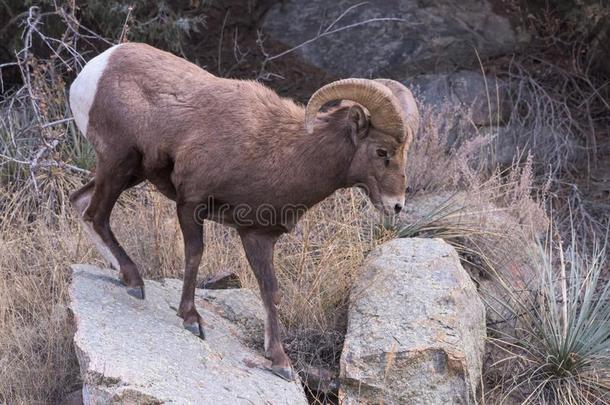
[{"x": 397, "y": 208}]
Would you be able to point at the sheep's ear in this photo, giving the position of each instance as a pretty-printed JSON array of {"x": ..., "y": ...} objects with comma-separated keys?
[{"x": 358, "y": 123}]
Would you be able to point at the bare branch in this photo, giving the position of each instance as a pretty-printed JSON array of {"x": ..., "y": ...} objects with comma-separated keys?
[
  {"x": 343, "y": 14},
  {"x": 326, "y": 33},
  {"x": 222, "y": 32},
  {"x": 125, "y": 30},
  {"x": 62, "y": 121}
]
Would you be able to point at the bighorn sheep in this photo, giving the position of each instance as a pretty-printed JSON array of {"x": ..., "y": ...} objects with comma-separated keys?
[{"x": 213, "y": 145}]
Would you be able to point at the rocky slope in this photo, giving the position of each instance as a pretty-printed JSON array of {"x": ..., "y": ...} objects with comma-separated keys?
[{"x": 137, "y": 352}]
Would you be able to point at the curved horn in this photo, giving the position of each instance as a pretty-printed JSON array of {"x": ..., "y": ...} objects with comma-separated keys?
[
  {"x": 376, "y": 97},
  {"x": 406, "y": 101}
]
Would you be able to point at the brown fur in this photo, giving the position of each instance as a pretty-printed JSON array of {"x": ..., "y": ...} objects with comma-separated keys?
[{"x": 199, "y": 138}]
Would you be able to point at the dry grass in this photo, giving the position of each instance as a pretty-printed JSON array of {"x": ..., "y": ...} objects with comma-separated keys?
[
  {"x": 37, "y": 361},
  {"x": 486, "y": 214}
]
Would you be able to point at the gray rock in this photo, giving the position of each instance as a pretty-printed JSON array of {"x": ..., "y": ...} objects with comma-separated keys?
[
  {"x": 495, "y": 234},
  {"x": 464, "y": 105},
  {"x": 133, "y": 351},
  {"x": 435, "y": 35},
  {"x": 241, "y": 307},
  {"x": 416, "y": 328},
  {"x": 482, "y": 100}
]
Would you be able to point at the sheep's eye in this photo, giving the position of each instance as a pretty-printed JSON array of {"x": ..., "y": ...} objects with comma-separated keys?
[{"x": 382, "y": 153}]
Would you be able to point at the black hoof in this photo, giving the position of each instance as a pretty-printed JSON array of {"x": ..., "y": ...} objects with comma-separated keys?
[
  {"x": 136, "y": 292},
  {"x": 195, "y": 329},
  {"x": 284, "y": 372}
]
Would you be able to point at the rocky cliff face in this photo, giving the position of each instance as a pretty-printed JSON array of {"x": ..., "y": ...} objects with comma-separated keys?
[{"x": 430, "y": 36}]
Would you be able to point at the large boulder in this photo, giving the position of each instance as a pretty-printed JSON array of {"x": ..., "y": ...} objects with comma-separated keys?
[
  {"x": 136, "y": 351},
  {"x": 434, "y": 35},
  {"x": 503, "y": 248},
  {"x": 416, "y": 328}
]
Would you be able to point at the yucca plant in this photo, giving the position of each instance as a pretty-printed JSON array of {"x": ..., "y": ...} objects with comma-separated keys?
[{"x": 559, "y": 350}]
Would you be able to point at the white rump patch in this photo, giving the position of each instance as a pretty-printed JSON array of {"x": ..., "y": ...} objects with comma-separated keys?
[{"x": 84, "y": 88}]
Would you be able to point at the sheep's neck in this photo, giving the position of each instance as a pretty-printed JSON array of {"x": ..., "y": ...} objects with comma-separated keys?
[{"x": 322, "y": 161}]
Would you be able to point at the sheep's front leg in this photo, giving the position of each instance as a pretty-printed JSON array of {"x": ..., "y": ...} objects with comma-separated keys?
[
  {"x": 192, "y": 231},
  {"x": 259, "y": 246}
]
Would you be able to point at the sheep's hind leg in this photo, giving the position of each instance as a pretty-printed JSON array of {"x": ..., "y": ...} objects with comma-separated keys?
[
  {"x": 97, "y": 221},
  {"x": 192, "y": 231},
  {"x": 80, "y": 201},
  {"x": 94, "y": 203}
]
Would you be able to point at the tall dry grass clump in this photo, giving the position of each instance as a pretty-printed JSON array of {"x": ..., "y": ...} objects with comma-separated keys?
[
  {"x": 37, "y": 361},
  {"x": 488, "y": 214}
]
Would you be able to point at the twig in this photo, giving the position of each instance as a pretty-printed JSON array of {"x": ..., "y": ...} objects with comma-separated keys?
[
  {"x": 327, "y": 33},
  {"x": 62, "y": 121},
  {"x": 222, "y": 31},
  {"x": 46, "y": 163},
  {"x": 125, "y": 30},
  {"x": 240, "y": 57},
  {"x": 343, "y": 14}
]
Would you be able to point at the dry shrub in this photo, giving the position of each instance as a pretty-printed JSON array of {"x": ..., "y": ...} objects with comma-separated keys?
[
  {"x": 436, "y": 162},
  {"x": 560, "y": 118},
  {"x": 490, "y": 217},
  {"x": 561, "y": 95},
  {"x": 434, "y": 167}
]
